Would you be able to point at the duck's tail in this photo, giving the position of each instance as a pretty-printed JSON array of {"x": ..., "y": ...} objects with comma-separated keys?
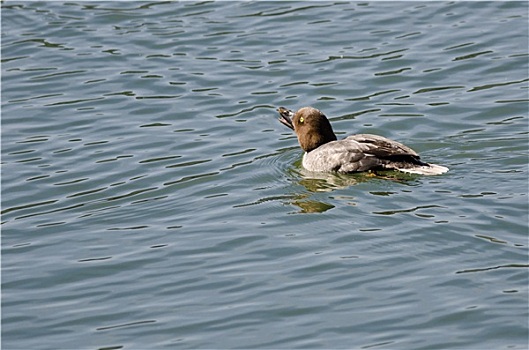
[{"x": 426, "y": 169}]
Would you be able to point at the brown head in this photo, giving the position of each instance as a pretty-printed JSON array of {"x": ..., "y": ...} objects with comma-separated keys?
[{"x": 311, "y": 126}]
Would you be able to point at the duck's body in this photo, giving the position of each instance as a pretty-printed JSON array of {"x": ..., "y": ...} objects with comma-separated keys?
[{"x": 355, "y": 153}]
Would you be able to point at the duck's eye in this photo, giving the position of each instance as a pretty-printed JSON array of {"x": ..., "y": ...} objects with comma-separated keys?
[{"x": 301, "y": 120}]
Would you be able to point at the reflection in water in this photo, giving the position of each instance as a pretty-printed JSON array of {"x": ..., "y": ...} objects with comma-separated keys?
[
  {"x": 327, "y": 182},
  {"x": 311, "y": 206},
  {"x": 316, "y": 182}
]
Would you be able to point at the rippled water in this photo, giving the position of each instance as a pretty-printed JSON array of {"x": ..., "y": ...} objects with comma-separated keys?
[{"x": 150, "y": 198}]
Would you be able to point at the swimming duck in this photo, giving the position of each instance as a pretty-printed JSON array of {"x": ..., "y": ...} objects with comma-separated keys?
[{"x": 355, "y": 153}]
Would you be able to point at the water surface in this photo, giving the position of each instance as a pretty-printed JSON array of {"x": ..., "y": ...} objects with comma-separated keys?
[{"x": 151, "y": 199}]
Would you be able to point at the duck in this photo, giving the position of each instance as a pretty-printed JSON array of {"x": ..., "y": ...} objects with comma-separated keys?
[{"x": 355, "y": 153}]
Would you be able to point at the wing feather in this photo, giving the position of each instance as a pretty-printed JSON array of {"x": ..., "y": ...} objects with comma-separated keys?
[{"x": 383, "y": 147}]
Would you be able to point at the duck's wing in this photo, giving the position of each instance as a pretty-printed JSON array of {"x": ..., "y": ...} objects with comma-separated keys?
[
  {"x": 366, "y": 151},
  {"x": 382, "y": 147}
]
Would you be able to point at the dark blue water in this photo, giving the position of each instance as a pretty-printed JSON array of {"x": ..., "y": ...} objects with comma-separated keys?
[{"x": 151, "y": 199}]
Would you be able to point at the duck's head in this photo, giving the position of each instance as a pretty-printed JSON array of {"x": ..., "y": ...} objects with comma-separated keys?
[{"x": 312, "y": 127}]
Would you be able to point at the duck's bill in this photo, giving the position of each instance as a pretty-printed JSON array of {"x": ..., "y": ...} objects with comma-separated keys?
[{"x": 285, "y": 117}]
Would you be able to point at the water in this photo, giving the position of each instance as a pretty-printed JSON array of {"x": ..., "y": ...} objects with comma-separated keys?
[{"x": 151, "y": 199}]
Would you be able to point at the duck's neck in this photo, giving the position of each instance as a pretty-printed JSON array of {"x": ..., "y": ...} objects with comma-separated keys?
[{"x": 316, "y": 137}]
